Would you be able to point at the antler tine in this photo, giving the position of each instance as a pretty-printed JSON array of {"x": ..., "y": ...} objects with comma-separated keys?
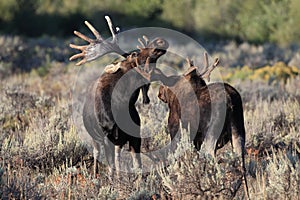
[
  {"x": 111, "y": 27},
  {"x": 84, "y": 37},
  {"x": 208, "y": 69},
  {"x": 216, "y": 63},
  {"x": 76, "y": 56},
  {"x": 191, "y": 66},
  {"x": 142, "y": 43},
  {"x": 189, "y": 61},
  {"x": 206, "y": 65},
  {"x": 146, "y": 40},
  {"x": 78, "y": 47},
  {"x": 81, "y": 62},
  {"x": 94, "y": 31},
  {"x": 206, "y": 60}
]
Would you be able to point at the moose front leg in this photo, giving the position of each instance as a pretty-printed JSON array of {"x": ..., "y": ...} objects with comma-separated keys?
[
  {"x": 118, "y": 159},
  {"x": 173, "y": 126},
  {"x": 135, "y": 151},
  {"x": 145, "y": 88}
]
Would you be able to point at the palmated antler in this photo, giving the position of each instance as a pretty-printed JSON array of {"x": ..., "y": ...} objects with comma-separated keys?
[
  {"x": 97, "y": 47},
  {"x": 205, "y": 73}
]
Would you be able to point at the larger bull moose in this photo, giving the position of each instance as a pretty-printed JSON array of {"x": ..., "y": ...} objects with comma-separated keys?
[
  {"x": 109, "y": 113},
  {"x": 214, "y": 112}
]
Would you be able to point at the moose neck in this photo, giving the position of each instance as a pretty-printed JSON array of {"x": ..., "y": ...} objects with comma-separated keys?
[
  {"x": 124, "y": 54},
  {"x": 141, "y": 59}
]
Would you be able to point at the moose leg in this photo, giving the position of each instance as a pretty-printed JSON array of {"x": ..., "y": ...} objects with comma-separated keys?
[
  {"x": 110, "y": 155},
  {"x": 118, "y": 159},
  {"x": 214, "y": 131},
  {"x": 134, "y": 138},
  {"x": 238, "y": 138},
  {"x": 135, "y": 150},
  {"x": 145, "y": 88},
  {"x": 96, "y": 153},
  {"x": 198, "y": 140},
  {"x": 210, "y": 141},
  {"x": 209, "y": 144},
  {"x": 173, "y": 126}
]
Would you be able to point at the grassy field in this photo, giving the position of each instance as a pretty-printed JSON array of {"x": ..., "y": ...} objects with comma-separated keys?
[{"x": 42, "y": 155}]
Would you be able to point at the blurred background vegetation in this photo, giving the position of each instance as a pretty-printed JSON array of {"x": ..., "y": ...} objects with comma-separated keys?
[
  {"x": 255, "y": 21},
  {"x": 41, "y": 152}
]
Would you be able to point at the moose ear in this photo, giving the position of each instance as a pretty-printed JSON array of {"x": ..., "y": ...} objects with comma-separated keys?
[{"x": 112, "y": 68}]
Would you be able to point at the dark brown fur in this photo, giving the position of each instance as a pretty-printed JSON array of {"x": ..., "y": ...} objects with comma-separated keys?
[
  {"x": 214, "y": 113},
  {"x": 206, "y": 119},
  {"x": 109, "y": 103}
]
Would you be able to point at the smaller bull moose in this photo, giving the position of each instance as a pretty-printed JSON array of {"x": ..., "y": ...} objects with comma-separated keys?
[
  {"x": 214, "y": 112},
  {"x": 109, "y": 112}
]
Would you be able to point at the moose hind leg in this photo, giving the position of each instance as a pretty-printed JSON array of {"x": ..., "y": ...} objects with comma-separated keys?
[
  {"x": 110, "y": 155},
  {"x": 238, "y": 139},
  {"x": 96, "y": 153},
  {"x": 118, "y": 159},
  {"x": 135, "y": 149},
  {"x": 218, "y": 118},
  {"x": 212, "y": 135}
]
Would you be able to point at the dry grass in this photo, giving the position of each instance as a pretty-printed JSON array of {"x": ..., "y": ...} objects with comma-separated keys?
[{"x": 42, "y": 156}]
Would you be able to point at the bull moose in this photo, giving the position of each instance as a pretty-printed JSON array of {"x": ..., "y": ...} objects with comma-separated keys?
[
  {"x": 214, "y": 111},
  {"x": 109, "y": 108}
]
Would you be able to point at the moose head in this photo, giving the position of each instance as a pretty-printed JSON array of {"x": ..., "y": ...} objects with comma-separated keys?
[{"x": 149, "y": 52}]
